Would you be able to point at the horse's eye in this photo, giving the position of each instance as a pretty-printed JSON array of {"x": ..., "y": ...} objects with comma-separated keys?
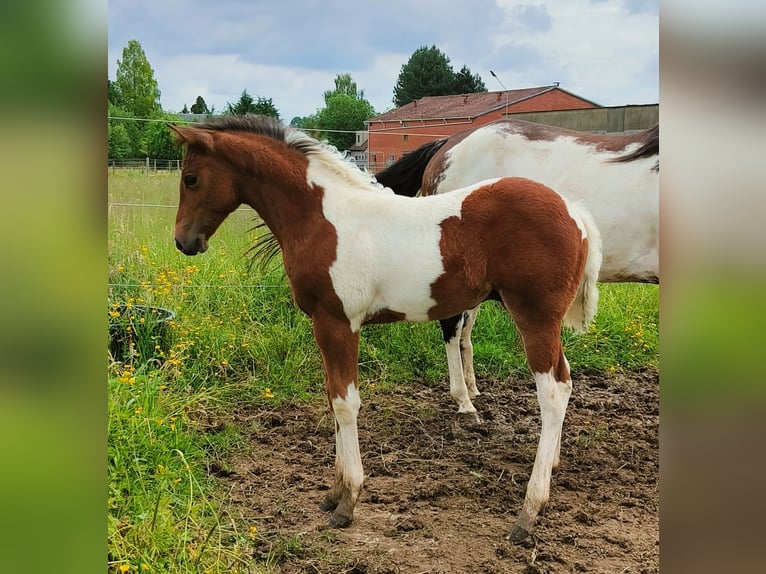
[{"x": 190, "y": 180}]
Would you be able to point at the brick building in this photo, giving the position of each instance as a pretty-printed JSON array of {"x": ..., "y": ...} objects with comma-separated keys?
[{"x": 404, "y": 129}]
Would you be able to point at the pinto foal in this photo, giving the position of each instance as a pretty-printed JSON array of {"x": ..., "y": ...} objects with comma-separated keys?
[{"x": 355, "y": 253}]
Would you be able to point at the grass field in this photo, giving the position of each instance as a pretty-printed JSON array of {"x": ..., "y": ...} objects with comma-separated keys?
[{"x": 238, "y": 339}]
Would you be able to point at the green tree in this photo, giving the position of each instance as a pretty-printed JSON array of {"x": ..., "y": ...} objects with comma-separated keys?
[
  {"x": 344, "y": 115},
  {"x": 118, "y": 141},
  {"x": 247, "y": 105},
  {"x": 113, "y": 93},
  {"x": 467, "y": 83},
  {"x": 160, "y": 143},
  {"x": 139, "y": 91},
  {"x": 124, "y": 134},
  {"x": 426, "y": 73},
  {"x": 199, "y": 107},
  {"x": 345, "y": 111},
  {"x": 344, "y": 85}
]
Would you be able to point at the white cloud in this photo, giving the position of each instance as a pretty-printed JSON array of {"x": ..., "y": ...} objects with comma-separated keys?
[{"x": 291, "y": 51}]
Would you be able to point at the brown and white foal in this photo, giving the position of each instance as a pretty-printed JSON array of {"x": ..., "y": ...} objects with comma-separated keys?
[{"x": 355, "y": 253}]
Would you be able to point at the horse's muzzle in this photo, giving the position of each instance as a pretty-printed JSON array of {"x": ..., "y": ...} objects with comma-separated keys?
[{"x": 198, "y": 246}]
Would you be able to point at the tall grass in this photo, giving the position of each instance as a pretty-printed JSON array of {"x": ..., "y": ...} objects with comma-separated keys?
[{"x": 237, "y": 338}]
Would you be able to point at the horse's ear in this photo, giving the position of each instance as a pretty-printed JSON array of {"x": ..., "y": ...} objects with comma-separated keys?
[{"x": 192, "y": 136}]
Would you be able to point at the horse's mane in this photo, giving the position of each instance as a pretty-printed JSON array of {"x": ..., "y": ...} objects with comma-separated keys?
[
  {"x": 405, "y": 176},
  {"x": 296, "y": 139},
  {"x": 650, "y": 146},
  {"x": 332, "y": 159},
  {"x": 250, "y": 123}
]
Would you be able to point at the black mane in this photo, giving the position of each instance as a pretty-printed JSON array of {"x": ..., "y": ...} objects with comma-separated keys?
[
  {"x": 650, "y": 146},
  {"x": 250, "y": 123}
]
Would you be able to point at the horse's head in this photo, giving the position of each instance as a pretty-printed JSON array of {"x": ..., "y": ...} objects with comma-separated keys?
[{"x": 207, "y": 190}]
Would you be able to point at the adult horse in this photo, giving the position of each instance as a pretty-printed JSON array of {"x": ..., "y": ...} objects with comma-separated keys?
[
  {"x": 616, "y": 178},
  {"x": 355, "y": 253}
]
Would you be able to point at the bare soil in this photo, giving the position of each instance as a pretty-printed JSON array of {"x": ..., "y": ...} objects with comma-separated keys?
[{"x": 442, "y": 491}]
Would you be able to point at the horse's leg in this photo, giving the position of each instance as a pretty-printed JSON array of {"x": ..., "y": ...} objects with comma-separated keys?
[
  {"x": 451, "y": 329},
  {"x": 541, "y": 334},
  {"x": 557, "y": 453},
  {"x": 466, "y": 349},
  {"x": 339, "y": 346}
]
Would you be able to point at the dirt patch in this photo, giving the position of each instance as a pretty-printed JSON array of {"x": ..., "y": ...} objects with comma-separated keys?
[{"x": 442, "y": 492}]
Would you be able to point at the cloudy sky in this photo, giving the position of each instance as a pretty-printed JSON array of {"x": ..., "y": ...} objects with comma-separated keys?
[{"x": 291, "y": 50}]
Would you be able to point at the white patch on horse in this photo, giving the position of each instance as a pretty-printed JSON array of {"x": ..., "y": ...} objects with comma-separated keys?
[
  {"x": 553, "y": 397},
  {"x": 615, "y": 193},
  {"x": 458, "y": 388},
  {"x": 388, "y": 252},
  {"x": 349, "y": 460}
]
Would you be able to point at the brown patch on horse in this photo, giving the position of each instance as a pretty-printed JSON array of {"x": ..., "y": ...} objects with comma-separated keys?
[
  {"x": 602, "y": 142},
  {"x": 489, "y": 249},
  {"x": 384, "y": 316}
]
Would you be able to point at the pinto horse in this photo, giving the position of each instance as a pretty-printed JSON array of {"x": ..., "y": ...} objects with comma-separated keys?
[
  {"x": 355, "y": 253},
  {"x": 616, "y": 178}
]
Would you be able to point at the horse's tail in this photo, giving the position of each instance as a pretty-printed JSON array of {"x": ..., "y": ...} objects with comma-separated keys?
[
  {"x": 405, "y": 176},
  {"x": 583, "y": 309}
]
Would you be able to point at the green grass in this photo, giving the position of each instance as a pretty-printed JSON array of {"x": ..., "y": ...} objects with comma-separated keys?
[{"x": 238, "y": 339}]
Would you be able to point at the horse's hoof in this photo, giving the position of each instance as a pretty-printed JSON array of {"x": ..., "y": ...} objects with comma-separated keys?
[
  {"x": 518, "y": 533},
  {"x": 469, "y": 418},
  {"x": 328, "y": 504},
  {"x": 339, "y": 521}
]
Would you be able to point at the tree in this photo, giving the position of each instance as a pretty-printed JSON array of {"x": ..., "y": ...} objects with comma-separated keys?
[
  {"x": 124, "y": 134},
  {"x": 113, "y": 93},
  {"x": 247, "y": 105},
  {"x": 428, "y": 73},
  {"x": 118, "y": 141},
  {"x": 344, "y": 114},
  {"x": 467, "y": 83},
  {"x": 199, "y": 107},
  {"x": 160, "y": 142},
  {"x": 185, "y": 110},
  {"x": 344, "y": 85},
  {"x": 135, "y": 81}
]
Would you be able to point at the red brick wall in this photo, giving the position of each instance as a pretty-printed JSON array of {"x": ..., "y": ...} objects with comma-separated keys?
[{"x": 392, "y": 138}]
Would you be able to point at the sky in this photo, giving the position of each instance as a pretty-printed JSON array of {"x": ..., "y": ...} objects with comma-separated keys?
[{"x": 290, "y": 51}]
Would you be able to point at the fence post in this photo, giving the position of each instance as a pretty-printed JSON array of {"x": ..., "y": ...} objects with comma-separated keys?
[{"x": 147, "y": 166}]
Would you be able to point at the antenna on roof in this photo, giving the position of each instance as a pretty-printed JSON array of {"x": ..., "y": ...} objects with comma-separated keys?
[{"x": 504, "y": 89}]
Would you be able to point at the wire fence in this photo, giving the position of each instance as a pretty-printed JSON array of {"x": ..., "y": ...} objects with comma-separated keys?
[{"x": 145, "y": 165}]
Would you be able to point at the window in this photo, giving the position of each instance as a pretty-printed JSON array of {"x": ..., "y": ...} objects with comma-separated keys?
[{"x": 406, "y": 138}]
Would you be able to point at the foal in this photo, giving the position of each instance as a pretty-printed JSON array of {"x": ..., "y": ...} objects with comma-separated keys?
[{"x": 355, "y": 253}]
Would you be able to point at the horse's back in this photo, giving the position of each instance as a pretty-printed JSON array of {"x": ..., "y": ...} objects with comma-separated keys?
[{"x": 623, "y": 197}]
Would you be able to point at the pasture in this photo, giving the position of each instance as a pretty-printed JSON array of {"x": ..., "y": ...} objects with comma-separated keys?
[{"x": 221, "y": 445}]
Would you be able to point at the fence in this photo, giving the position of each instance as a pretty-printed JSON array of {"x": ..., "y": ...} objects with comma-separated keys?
[{"x": 145, "y": 165}]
